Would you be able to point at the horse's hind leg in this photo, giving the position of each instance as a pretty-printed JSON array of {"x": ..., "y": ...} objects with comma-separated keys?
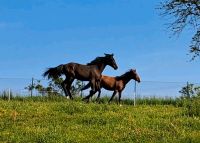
[
  {"x": 98, "y": 97},
  {"x": 68, "y": 87},
  {"x": 63, "y": 84}
]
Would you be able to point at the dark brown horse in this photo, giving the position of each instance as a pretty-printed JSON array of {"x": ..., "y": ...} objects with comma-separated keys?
[
  {"x": 116, "y": 84},
  {"x": 90, "y": 72}
]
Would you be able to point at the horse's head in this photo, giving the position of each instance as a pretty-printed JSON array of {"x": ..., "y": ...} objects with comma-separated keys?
[
  {"x": 109, "y": 59},
  {"x": 134, "y": 75}
]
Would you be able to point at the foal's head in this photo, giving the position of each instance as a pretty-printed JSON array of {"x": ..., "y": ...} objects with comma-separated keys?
[
  {"x": 134, "y": 75},
  {"x": 109, "y": 60}
]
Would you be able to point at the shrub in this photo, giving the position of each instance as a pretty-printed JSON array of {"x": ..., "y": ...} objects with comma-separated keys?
[
  {"x": 5, "y": 95},
  {"x": 192, "y": 107}
]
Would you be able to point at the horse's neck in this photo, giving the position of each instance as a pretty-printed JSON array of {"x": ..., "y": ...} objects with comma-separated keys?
[
  {"x": 101, "y": 67},
  {"x": 126, "y": 79}
]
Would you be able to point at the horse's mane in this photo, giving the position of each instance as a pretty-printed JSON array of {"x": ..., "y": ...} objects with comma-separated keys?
[
  {"x": 123, "y": 75},
  {"x": 96, "y": 61}
]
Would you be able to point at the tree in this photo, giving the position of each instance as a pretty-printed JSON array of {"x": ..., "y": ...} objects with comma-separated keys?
[
  {"x": 76, "y": 87},
  {"x": 184, "y": 13},
  {"x": 190, "y": 91},
  {"x": 54, "y": 86}
]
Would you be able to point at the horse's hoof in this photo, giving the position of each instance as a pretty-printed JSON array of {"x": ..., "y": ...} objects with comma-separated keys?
[{"x": 85, "y": 99}]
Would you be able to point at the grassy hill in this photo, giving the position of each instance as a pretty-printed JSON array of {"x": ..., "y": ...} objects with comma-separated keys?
[{"x": 75, "y": 121}]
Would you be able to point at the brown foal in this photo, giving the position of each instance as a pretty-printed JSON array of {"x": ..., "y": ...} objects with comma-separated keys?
[{"x": 116, "y": 84}]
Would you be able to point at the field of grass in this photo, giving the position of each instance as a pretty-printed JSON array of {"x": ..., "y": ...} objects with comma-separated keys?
[{"x": 51, "y": 121}]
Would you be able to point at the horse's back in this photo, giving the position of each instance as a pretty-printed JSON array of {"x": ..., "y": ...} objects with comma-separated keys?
[
  {"x": 82, "y": 72},
  {"x": 108, "y": 82}
]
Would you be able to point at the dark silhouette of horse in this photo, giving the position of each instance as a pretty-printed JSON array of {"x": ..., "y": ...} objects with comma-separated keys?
[
  {"x": 90, "y": 72},
  {"x": 116, "y": 84}
]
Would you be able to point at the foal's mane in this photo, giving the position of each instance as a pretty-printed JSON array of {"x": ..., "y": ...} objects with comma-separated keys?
[
  {"x": 123, "y": 75},
  {"x": 96, "y": 61}
]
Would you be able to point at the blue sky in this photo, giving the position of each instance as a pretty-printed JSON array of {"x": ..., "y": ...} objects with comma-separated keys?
[{"x": 36, "y": 34}]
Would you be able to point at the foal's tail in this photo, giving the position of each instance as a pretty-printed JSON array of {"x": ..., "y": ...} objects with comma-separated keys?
[
  {"x": 86, "y": 86},
  {"x": 54, "y": 73}
]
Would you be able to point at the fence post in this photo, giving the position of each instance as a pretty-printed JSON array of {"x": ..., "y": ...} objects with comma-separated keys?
[{"x": 135, "y": 90}]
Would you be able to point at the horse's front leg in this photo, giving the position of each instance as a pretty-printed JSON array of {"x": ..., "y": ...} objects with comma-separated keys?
[
  {"x": 98, "y": 88},
  {"x": 90, "y": 95},
  {"x": 92, "y": 91},
  {"x": 120, "y": 94}
]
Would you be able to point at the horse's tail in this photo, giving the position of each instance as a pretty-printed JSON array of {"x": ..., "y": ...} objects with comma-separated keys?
[
  {"x": 54, "y": 73},
  {"x": 86, "y": 86}
]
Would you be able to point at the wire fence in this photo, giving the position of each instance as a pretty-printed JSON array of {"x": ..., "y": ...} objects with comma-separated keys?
[{"x": 144, "y": 89}]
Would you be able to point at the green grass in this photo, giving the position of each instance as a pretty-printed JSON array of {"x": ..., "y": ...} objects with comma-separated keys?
[{"x": 49, "y": 121}]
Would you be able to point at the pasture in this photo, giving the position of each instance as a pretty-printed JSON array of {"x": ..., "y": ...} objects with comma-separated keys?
[{"x": 61, "y": 120}]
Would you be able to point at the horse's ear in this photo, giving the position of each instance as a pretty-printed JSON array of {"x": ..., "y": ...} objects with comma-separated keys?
[
  {"x": 134, "y": 70},
  {"x": 108, "y": 54}
]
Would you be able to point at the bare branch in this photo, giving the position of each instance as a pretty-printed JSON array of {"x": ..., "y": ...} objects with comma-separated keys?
[{"x": 183, "y": 13}]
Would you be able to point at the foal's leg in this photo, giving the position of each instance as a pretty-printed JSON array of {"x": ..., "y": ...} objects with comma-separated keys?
[
  {"x": 120, "y": 94},
  {"x": 114, "y": 93},
  {"x": 86, "y": 86}
]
